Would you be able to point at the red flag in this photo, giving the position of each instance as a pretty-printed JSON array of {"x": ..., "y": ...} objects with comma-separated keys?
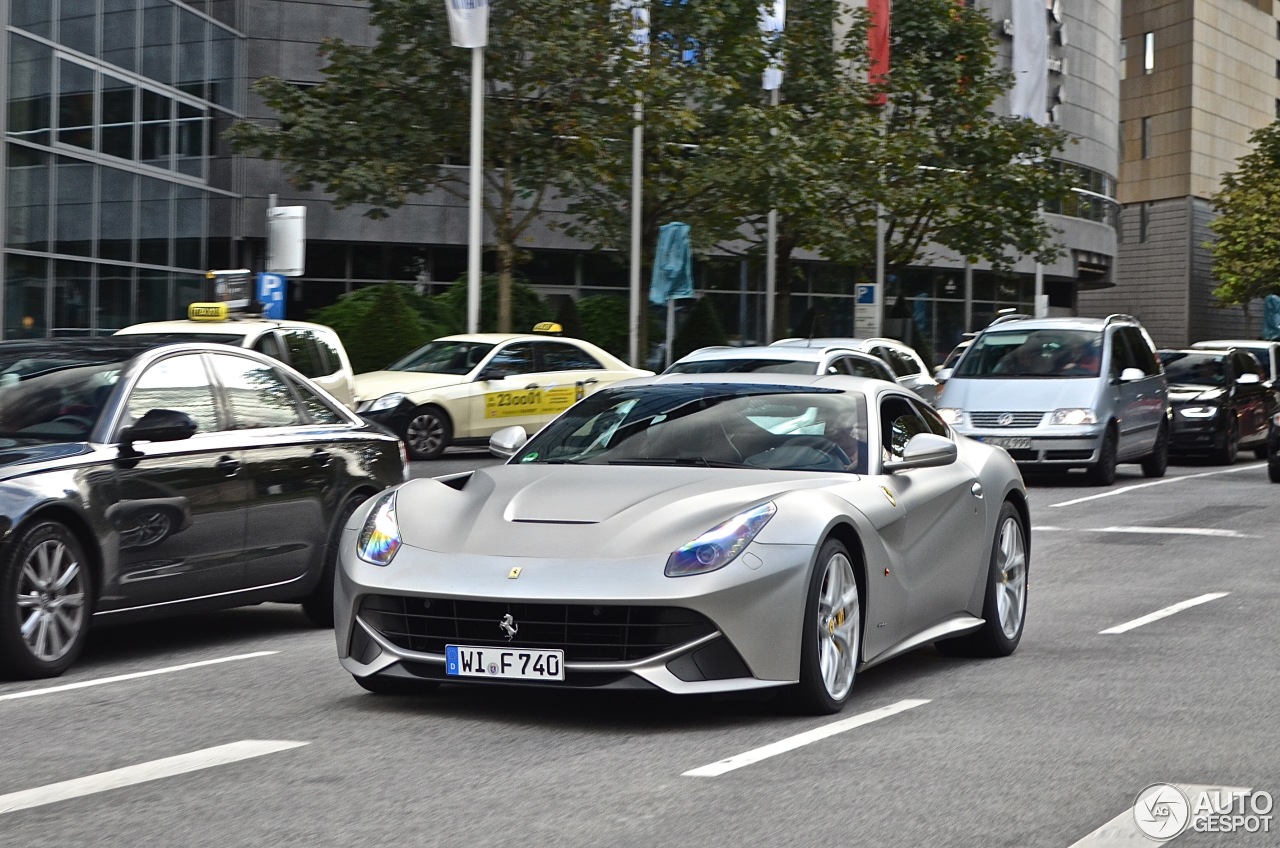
[{"x": 878, "y": 45}]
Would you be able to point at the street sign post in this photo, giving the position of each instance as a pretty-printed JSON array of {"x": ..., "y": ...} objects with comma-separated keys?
[
  {"x": 286, "y": 240},
  {"x": 866, "y": 323},
  {"x": 271, "y": 289}
]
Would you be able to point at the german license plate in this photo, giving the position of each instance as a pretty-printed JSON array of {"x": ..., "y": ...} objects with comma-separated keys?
[
  {"x": 1008, "y": 443},
  {"x": 509, "y": 663}
]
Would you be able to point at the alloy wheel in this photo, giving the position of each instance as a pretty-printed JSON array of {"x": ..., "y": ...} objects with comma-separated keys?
[
  {"x": 425, "y": 434},
  {"x": 839, "y": 626},
  {"x": 1011, "y": 576},
  {"x": 51, "y": 600}
]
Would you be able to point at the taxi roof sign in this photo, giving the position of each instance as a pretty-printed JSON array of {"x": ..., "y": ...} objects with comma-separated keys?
[
  {"x": 208, "y": 312},
  {"x": 547, "y": 327}
]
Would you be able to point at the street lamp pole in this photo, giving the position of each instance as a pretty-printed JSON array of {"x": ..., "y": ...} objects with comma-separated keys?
[{"x": 474, "y": 232}]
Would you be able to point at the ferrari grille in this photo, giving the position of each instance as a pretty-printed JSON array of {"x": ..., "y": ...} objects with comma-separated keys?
[{"x": 585, "y": 632}]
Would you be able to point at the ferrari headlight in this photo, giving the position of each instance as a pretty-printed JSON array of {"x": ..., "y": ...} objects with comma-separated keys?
[
  {"x": 380, "y": 537},
  {"x": 952, "y": 416},
  {"x": 1074, "y": 416},
  {"x": 1198, "y": 411},
  {"x": 718, "y": 547},
  {"x": 386, "y": 402}
]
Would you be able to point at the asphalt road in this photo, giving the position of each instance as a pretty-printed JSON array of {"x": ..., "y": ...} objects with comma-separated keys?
[{"x": 1040, "y": 749}]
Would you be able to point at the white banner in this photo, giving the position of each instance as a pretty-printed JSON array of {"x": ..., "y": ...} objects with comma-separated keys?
[
  {"x": 772, "y": 22},
  {"x": 1030, "y": 61},
  {"x": 638, "y": 10},
  {"x": 468, "y": 22}
]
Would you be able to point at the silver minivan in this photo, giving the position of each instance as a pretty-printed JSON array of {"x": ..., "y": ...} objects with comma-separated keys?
[{"x": 1061, "y": 393}]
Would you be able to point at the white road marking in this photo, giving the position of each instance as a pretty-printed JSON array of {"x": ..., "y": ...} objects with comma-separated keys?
[
  {"x": 1179, "y": 531},
  {"x": 1126, "y": 489},
  {"x": 142, "y": 773},
  {"x": 1164, "y": 613},
  {"x": 1122, "y": 831},
  {"x": 48, "y": 690},
  {"x": 1155, "y": 531},
  {"x": 802, "y": 739}
]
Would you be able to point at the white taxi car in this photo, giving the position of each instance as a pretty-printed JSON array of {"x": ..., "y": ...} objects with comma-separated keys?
[
  {"x": 313, "y": 349},
  {"x": 464, "y": 388}
]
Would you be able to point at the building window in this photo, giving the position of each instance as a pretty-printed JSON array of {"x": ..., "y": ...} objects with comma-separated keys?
[
  {"x": 1144, "y": 218},
  {"x": 1146, "y": 138},
  {"x": 1278, "y": 108},
  {"x": 1124, "y": 58},
  {"x": 1148, "y": 52}
]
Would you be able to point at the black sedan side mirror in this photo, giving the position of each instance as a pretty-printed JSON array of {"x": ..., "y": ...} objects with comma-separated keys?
[{"x": 159, "y": 425}]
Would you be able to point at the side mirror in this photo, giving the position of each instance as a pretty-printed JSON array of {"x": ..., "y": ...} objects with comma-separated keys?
[
  {"x": 159, "y": 425},
  {"x": 1129, "y": 375},
  {"x": 507, "y": 441},
  {"x": 944, "y": 374},
  {"x": 1249, "y": 379},
  {"x": 490, "y": 374},
  {"x": 925, "y": 450}
]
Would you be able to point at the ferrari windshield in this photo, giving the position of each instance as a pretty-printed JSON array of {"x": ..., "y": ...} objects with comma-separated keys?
[
  {"x": 1033, "y": 353},
  {"x": 443, "y": 357},
  {"x": 710, "y": 424},
  {"x": 55, "y": 395}
]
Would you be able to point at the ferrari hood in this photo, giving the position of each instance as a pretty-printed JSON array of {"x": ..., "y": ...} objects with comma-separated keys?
[
  {"x": 374, "y": 384},
  {"x": 585, "y": 511}
]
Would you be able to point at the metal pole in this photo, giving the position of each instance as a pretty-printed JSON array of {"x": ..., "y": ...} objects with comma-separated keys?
[
  {"x": 1041, "y": 308},
  {"x": 968, "y": 296},
  {"x": 474, "y": 232},
  {"x": 637, "y": 187},
  {"x": 771, "y": 256},
  {"x": 671, "y": 331},
  {"x": 877, "y": 308}
]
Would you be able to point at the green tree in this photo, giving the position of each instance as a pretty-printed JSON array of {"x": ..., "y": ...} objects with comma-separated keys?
[
  {"x": 385, "y": 331},
  {"x": 382, "y": 125},
  {"x": 1246, "y": 252},
  {"x": 526, "y": 305},
  {"x": 347, "y": 312},
  {"x": 606, "y": 321},
  {"x": 701, "y": 328}
]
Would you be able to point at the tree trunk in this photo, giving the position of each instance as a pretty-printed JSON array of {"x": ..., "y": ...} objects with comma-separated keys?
[
  {"x": 782, "y": 292},
  {"x": 1248, "y": 320}
]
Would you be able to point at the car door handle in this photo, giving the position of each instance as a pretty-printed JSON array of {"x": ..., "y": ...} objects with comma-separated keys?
[
  {"x": 228, "y": 465},
  {"x": 321, "y": 457},
  {"x": 531, "y": 386},
  {"x": 590, "y": 382}
]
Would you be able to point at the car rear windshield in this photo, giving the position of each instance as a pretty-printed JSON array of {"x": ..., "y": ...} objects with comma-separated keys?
[
  {"x": 443, "y": 357},
  {"x": 739, "y": 366},
  {"x": 1197, "y": 369},
  {"x": 56, "y": 396},
  {"x": 711, "y": 425},
  {"x": 1045, "y": 353}
]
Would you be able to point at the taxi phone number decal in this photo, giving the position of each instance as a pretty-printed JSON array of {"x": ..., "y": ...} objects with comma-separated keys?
[{"x": 547, "y": 401}]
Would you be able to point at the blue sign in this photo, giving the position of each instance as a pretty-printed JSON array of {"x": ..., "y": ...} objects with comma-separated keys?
[
  {"x": 865, "y": 293},
  {"x": 271, "y": 295}
]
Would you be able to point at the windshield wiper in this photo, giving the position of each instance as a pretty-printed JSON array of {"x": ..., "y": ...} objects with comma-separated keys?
[{"x": 679, "y": 461}]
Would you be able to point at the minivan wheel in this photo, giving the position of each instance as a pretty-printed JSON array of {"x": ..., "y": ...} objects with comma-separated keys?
[
  {"x": 1103, "y": 472},
  {"x": 1156, "y": 463}
]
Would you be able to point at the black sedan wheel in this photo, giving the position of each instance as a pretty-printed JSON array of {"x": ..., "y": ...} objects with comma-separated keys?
[
  {"x": 46, "y": 590},
  {"x": 1230, "y": 446},
  {"x": 318, "y": 606},
  {"x": 427, "y": 433}
]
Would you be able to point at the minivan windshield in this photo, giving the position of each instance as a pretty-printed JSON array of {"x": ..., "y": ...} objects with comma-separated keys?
[{"x": 1042, "y": 353}]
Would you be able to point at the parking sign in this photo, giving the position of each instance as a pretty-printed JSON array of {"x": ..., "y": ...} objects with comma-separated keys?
[{"x": 271, "y": 295}]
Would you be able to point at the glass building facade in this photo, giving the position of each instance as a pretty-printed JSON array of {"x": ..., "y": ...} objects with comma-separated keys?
[{"x": 118, "y": 190}]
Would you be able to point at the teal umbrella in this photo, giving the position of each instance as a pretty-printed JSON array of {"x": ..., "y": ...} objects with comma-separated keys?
[{"x": 1271, "y": 317}]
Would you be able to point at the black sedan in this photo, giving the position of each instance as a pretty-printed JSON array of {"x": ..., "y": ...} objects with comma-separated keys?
[
  {"x": 1221, "y": 402},
  {"x": 139, "y": 480}
]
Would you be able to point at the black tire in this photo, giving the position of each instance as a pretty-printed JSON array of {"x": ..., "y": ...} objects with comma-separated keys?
[
  {"x": 811, "y": 696},
  {"x": 67, "y": 630},
  {"x": 318, "y": 606},
  {"x": 1103, "y": 472},
  {"x": 1273, "y": 469},
  {"x": 1230, "y": 449},
  {"x": 396, "y": 685},
  {"x": 991, "y": 640},
  {"x": 1156, "y": 463},
  {"x": 427, "y": 432},
  {"x": 1260, "y": 452}
]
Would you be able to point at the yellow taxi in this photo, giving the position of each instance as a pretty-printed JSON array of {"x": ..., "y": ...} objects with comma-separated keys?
[
  {"x": 461, "y": 389},
  {"x": 313, "y": 349}
]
